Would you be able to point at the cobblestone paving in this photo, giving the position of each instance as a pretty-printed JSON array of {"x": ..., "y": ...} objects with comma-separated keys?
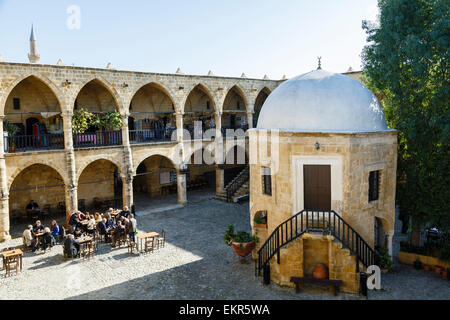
[{"x": 195, "y": 264}]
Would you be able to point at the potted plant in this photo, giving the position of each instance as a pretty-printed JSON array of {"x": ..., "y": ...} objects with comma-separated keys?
[
  {"x": 260, "y": 223},
  {"x": 386, "y": 264},
  {"x": 81, "y": 121},
  {"x": 418, "y": 264},
  {"x": 242, "y": 242},
  {"x": 438, "y": 269},
  {"x": 111, "y": 120},
  {"x": 12, "y": 130},
  {"x": 445, "y": 273},
  {"x": 426, "y": 267}
]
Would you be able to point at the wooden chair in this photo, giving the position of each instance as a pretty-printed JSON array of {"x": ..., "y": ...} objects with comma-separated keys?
[
  {"x": 149, "y": 245},
  {"x": 161, "y": 241},
  {"x": 10, "y": 263},
  {"x": 131, "y": 246},
  {"x": 87, "y": 250},
  {"x": 46, "y": 211}
]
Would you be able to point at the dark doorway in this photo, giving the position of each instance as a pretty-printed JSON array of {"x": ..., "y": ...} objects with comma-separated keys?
[
  {"x": 317, "y": 185},
  {"x": 30, "y": 122}
]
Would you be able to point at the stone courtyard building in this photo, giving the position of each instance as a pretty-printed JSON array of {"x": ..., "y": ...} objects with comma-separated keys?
[{"x": 322, "y": 178}]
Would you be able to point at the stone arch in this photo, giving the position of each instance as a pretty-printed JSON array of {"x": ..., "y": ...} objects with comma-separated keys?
[
  {"x": 28, "y": 164},
  {"x": 240, "y": 92},
  {"x": 101, "y": 179},
  {"x": 97, "y": 158},
  {"x": 160, "y": 87},
  {"x": 387, "y": 225},
  {"x": 105, "y": 84},
  {"x": 260, "y": 98},
  {"x": 138, "y": 161},
  {"x": 49, "y": 83},
  {"x": 203, "y": 87}
]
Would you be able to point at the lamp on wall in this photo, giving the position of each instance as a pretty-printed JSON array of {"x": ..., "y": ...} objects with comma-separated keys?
[
  {"x": 317, "y": 146},
  {"x": 66, "y": 83}
]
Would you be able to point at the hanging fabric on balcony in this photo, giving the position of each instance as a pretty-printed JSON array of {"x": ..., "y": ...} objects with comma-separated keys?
[{"x": 47, "y": 115}]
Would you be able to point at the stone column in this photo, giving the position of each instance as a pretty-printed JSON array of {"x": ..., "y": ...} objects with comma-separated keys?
[
  {"x": 181, "y": 186},
  {"x": 72, "y": 185},
  {"x": 390, "y": 236},
  {"x": 250, "y": 119},
  {"x": 180, "y": 126},
  {"x": 218, "y": 122},
  {"x": 127, "y": 190},
  {"x": 220, "y": 179},
  {"x": 4, "y": 192}
]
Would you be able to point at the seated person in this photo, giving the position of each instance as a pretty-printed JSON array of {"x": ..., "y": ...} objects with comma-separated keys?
[
  {"x": 110, "y": 222},
  {"x": 38, "y": 227},
  {"x": 47, "y": 239},
  {"x": 27, "y": 237},
  {"x": 77, "y": 234},
  {"x": 55, "y": 229},
  {"x": 91, "y": 225},
  {"x": 73, "y": 221},
  {"x": 98, "y": 217},
  {"x": 32, "y": 206},
  {"x": 102, "y": 227},
  {"x": 125, "y": 212},
  {"x": 70, "y": 246},
  {"x": 118, "y": 231}
]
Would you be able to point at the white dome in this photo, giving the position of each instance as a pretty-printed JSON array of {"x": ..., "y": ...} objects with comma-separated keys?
[{"x": 321, "y": 101}]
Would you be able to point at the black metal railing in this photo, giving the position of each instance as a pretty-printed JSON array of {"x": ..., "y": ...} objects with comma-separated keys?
[
  {"x": 34, "y": 142},
  {"x": 153, "y": 135},
  {"x": 97, "y": 139},
  {"x": 328, "y": 222},
  {"x": 237, "y": 182}
]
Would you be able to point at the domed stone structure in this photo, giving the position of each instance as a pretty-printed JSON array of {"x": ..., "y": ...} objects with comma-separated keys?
[
  {"x": 321, "y": 101},
  {"x": 323, "y": 174}
]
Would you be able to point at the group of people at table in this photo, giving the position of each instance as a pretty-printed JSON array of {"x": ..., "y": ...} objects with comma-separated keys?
[{"x": 112, "y": 225}]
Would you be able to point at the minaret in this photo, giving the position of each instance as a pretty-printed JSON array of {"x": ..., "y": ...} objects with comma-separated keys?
[{"x": 33, "y": 56}]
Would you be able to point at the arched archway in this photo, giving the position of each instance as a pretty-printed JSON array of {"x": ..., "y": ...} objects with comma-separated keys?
[
  {"x": 152, "y": 115},
  {"x": 155, "y": 184},
  {"x": 33, "y": 117},
  {"x": 100, "y": 186},
  {"x": 259, "y": 102},
  {"x": 98, "y": 99},
  {"x": 236, "y": 160},
  {"x": 43, "y": 184},
  {"x": 234, "y": 110},
  {"x": 201, "y": 175},
  {"x": 199, "y": 107}
]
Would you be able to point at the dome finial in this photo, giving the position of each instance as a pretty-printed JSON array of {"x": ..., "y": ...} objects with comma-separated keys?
[{"x": 320, "y": 63}]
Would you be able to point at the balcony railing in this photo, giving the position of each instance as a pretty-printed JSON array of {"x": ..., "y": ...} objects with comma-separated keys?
[
  {"x": 34, "y": 143},
  {"x": 149, "y": 136},
  {"x": 97, "y": 139},
  {"x": 243, "y": 127}
]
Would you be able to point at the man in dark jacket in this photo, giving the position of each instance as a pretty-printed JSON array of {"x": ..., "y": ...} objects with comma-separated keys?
[{"x": 70, "y": 248}]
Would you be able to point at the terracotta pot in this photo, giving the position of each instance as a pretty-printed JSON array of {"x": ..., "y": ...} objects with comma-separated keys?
[
  {"x": 426, "y": 267},
  {"x": 320, "y": 271},
  {"x": 243, "y": 249},
  {"x": 260, "y": 226},
  {"x": 444, "y": 274},
  {"x": 438, "y": 269}
]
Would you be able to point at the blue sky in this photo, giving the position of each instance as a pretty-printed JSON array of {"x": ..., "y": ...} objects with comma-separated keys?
[{"x": 273, "y": 37}]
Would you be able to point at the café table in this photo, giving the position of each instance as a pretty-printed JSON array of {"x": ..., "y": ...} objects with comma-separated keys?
[
  {"x": 145, "y": 236},
  {"x": 10, "y": 255},
  {"x": 85, "y": 244}
]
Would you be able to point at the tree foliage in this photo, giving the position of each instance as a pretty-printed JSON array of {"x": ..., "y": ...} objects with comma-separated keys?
[{"x": 406, "y": 62}]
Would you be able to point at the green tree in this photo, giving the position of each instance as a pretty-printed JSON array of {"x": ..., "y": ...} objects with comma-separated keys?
[{"x": 406, "y": 63}]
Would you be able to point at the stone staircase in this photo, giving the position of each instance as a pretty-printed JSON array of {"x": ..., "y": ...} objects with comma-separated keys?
[{"x": 237, "y": 188}]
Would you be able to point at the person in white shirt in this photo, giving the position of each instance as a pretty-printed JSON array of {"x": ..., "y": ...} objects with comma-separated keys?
[
  {"x": 27, "y": 237},
  {"x": 91, "y": 225}
]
